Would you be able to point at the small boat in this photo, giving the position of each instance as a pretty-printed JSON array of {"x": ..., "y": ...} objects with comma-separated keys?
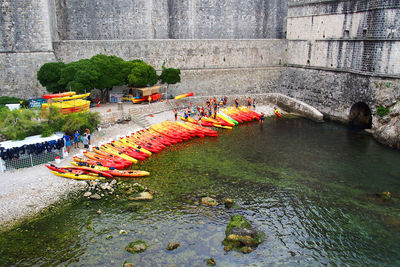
[
  {"x": 76, "y": 176},
  {"x": 183, "y": 95},
  {"x": 277, "y": 113}
]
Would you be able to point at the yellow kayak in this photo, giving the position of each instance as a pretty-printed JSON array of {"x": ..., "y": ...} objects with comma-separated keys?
[
  {"x": 96, "y": 167},
  {"x": 119, "y": 154},
  {"x": 68, "y": 104},
  {"x": 128, "y": 142},
  {"x": 71, "y": 97},
  {"x": 77, "y": 176}
]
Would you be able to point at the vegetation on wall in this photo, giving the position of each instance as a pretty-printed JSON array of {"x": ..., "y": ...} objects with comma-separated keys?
[
  {"x": 101, "y": 72},
  {"x": 382, "y": 111}
]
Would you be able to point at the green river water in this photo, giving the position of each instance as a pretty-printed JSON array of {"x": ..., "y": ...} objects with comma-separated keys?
[{"x": 309, "y": 187}]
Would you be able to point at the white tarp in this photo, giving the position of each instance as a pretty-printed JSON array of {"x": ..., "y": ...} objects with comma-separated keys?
[{"x": 30, "y": 140}]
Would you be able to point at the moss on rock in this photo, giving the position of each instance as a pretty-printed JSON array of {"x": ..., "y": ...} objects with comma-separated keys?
[
  {"x": 237, "y": 221},
  {"x": 137, "y": 246},
  {"x": 240, "y": 235}
]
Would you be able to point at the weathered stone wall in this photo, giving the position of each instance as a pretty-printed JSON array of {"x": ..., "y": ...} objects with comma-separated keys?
[
  {"x": 331, "y": 92},
  {"x": 170, "y": 19},
  {"x": 360, "y": 36},
  {"x": 25, "y": 44},
  {"x": 184, "y": 54},
  {"x": 18, "y": 74}
]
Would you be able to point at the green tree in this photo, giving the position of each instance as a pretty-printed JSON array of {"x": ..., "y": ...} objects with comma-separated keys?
[
  {"x": 170, "y": 76},
  {"x": 80, "y": 76},
  {"x": 141, "y": 74},
  {"x": 111, "y": 69},
  {"x": 49, "y": 76}
]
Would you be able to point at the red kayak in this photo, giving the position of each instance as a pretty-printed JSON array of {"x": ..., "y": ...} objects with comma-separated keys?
[
  {"x": 78, "y": 170},
  {"x": 104, "y": 163}
]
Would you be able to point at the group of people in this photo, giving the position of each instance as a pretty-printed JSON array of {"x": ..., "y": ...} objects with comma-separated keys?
[
  {"x": 211, "y": 108},
  {"x": 76, "y": 138}
]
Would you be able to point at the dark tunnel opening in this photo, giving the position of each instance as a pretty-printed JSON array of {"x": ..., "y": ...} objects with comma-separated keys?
[{"x": 360, "y": 116}]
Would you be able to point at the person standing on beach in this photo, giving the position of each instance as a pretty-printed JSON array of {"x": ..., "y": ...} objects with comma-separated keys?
[
  {"x": 249, "y": 103},
  {"x": 85, "y": 140},
  {"x": 67, "y": 139},
  {"x": 88, "y": 134},
  {"x": 76, "y": 139},
  {"x": 254, "y": 103},
  {"x": 175, "y": 114},
  {"x": 236, "y": 103}
]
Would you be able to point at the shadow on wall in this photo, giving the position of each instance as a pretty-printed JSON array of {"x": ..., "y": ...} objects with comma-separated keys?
[{"x": 360, "y": 116}]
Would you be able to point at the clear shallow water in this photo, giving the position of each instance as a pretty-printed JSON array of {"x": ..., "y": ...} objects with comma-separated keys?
[{"x": 306, "y": 185}]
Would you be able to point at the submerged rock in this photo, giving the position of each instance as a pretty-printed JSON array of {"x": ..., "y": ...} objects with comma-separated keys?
[
  {"x": 128, "y": 264},
  {"x": 391, "y": 222},
  {"x": 228, "y": 203},
  {"x": 208, "y": 201},
  {"x": 99, "y": 212},
  {"x": 122, "y": 232},
  {"x": 134, "y": 206},
  {"x": 239, "y": 234},
  {"x": 172, "y": 246},
  {"x": 211, "y": 262},
  {"x": 385, "y": 196},
  {"x": 95, "y": 196},
  {"x": 136, "y": 247},
  {"x": 143, "y": 196},
  {"x": 87, "y": 194},
  {"x": 246, "y": 250}
]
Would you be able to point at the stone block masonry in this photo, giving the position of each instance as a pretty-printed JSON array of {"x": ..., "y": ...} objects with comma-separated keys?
[
  {"x": 359, "y": 36},
  {"x": 18, "y": 74},
  {"x": 24, "y": 26},
  {"x": 184, "y": 54},
  {"x": 170, "y": 19}
]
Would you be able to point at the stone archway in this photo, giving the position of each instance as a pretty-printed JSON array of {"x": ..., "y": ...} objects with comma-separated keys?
[{"x": 360, "y": 116}]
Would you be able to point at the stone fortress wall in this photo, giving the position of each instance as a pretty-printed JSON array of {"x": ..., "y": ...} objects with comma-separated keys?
[
  {"x": 170, "y": 19},
  {"x": 328, "y": 53}
]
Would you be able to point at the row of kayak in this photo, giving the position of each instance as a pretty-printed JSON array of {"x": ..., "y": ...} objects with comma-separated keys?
[
  {"x": 109, "y": 160},
  {"x": 226, "y": 118}
]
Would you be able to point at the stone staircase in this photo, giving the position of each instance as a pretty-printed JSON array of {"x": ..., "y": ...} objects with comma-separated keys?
[{"x": 139, "y": 118}]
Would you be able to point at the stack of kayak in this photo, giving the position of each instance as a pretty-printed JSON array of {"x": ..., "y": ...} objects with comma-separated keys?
[
  {"x": 110, "y": 159},
  {"x": 68, "y": 102},
  {"x": 240, "y": 114},
  {"x": 226, "y": 118}
]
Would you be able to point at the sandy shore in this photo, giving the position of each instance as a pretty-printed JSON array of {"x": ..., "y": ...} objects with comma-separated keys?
[{"x": 26, "y": 192}]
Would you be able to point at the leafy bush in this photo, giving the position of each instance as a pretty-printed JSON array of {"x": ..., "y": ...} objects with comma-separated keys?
[
  {"x": 56, "y": 121},
  {"x": 81, "y": 121},
  {"x": 382, "y": 111},
  {"x": 19, "y": 123}
]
